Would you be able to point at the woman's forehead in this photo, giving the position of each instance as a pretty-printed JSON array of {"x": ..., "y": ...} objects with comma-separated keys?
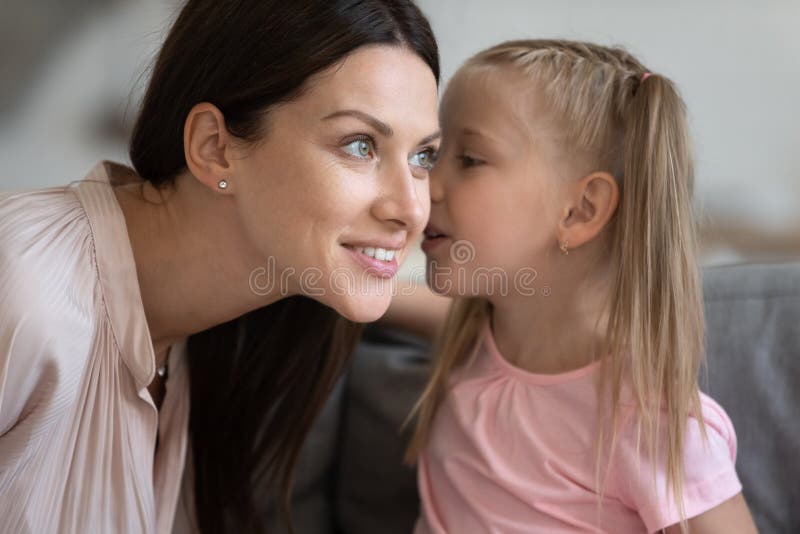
[{"x": 390, "y": 83}]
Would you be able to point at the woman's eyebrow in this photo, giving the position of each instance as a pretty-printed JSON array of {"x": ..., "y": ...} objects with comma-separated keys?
[
  {"x": 432, "y": 137},
  {"x": 382, "y": 127}
]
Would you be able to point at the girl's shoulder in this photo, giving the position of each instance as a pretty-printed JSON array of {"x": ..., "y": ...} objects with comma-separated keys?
[
  {"x": 717, "y": 423},
  {"x": 709, "y": 469}
]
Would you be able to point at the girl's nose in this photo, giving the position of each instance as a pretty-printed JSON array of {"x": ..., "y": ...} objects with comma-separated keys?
[{"x": 436, "y": 185}]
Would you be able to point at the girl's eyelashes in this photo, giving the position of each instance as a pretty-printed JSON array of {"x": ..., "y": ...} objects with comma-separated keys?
[
  {"x": 360, "y": 147},
  {"x": 467, "y": 161}
]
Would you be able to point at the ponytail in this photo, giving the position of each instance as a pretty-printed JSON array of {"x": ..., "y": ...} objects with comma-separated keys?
[{"x": 656, "y": 311}]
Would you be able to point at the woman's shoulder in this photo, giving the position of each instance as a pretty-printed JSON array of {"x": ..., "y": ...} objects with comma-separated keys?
[
  {"x": 47, "y": 286},
  {"x": 45, "y": 246},
  {"x": 30, "y": 216}
]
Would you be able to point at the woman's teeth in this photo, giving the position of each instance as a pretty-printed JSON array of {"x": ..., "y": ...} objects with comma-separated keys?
[{"x": 377, "y": 253}]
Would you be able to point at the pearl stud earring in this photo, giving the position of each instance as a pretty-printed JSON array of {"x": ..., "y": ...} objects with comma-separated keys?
[{"x": 223, "y": 184}]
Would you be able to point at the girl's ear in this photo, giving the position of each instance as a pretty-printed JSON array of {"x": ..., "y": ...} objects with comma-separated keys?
[
  {"x": 594, "y": 201},
  {"x": 207, "y": 147}
]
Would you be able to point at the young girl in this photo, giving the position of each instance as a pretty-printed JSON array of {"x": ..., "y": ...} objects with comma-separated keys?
[{"x": 564, "y": 393}]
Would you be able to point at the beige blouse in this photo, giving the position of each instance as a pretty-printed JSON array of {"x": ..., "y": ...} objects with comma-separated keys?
[{"x": 77, "y": 423}]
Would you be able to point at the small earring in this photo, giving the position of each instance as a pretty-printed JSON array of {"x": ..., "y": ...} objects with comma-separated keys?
[
  {"x": 564, "y": 249},
  {"x": 223, "y": 184}
]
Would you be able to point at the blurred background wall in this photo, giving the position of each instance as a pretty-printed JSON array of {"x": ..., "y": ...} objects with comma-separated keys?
[{"x": 73, "y": 72}]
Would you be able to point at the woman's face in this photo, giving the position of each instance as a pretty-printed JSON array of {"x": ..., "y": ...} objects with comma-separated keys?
[{"x": 337, "y": 191}]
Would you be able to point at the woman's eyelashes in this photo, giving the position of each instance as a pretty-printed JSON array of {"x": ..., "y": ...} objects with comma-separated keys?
[
  {"x": 363, "y": 147},
  {"x": 360, "y": 147},
  {"x": 425, "y": 158}
]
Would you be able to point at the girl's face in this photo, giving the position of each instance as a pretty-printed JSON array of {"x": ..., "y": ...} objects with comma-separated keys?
[
  {"x": 338, "y": 189},
  {"x": 494, "y": 196}
]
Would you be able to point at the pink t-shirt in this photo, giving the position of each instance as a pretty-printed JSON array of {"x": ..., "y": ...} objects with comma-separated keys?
[{"x": 515, "y": 452}]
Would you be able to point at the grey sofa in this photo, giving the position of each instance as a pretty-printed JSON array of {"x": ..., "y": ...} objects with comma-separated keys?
[{"x": 351, "y": 479}]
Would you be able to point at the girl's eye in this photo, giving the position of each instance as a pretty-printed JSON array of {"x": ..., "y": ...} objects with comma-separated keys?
[
  {"x": 467, "y": 161},
  {"x": 360, "y": 148},
  {"x": 424, "y": 159}
]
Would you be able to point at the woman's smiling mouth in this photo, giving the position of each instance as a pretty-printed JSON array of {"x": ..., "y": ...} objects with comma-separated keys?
[{"x": 381, "y": 261}]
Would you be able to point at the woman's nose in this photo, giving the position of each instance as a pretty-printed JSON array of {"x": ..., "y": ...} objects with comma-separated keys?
[{"x": 404, "y": 200}]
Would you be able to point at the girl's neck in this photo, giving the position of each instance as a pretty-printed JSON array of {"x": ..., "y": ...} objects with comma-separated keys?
[{"x": 552, "y": 334}]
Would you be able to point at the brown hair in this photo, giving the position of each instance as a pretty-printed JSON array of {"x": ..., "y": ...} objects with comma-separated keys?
[
  {"x": 258, "y": 382},
  {"x": 637, "y": 131}
]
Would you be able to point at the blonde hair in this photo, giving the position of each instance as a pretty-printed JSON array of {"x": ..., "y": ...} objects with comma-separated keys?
[{"x": 637, "y": 131}]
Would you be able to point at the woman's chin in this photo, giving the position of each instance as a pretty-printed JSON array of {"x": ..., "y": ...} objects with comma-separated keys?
[{"x": 361, "y": 308}]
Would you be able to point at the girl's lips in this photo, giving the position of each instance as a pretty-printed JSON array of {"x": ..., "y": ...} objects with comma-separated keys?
[
  {"x": 431, "y": 230},
  {"x": 429, "y": 244},
  {"x": 374, "y": 266}
]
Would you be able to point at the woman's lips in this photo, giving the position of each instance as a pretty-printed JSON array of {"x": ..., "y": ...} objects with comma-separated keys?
[{"x": 374, "y": 266}]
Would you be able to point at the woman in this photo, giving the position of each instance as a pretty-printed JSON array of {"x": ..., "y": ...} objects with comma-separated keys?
[{"x": 280, "y": 164}]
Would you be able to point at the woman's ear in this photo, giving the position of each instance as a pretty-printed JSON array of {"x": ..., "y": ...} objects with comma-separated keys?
[
  {"x": 207, "y": 147},
  {"x": 594, "y": 200}
]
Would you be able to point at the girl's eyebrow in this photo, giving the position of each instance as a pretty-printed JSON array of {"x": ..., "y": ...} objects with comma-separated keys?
[
  {"x": 469, "y": 132},
  {"x": 383, "y": 128}
]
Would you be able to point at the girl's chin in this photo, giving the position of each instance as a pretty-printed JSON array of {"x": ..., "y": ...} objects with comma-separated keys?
[{"x": 443, "y": 286}]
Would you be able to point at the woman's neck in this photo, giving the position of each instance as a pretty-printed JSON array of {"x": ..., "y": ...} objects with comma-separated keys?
[{"x": 192, "y": 261}]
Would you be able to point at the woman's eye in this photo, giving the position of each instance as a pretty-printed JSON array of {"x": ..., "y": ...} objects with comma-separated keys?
[
  {"x": 360, "y": 148},
  {"x": 424, "y": 159}
]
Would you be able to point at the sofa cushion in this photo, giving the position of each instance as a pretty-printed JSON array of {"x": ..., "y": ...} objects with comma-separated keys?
[
  {"x": 376, "y": 492},
  {"x": 753, "y": 332},
  {"x": 313, "y": 491}
]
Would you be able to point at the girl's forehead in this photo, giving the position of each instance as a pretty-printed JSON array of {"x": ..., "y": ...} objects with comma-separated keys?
[{"x": 496, "y": 98}]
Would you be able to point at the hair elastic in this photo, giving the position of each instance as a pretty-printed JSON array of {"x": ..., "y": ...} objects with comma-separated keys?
[{"x": 645, "y": 76}]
